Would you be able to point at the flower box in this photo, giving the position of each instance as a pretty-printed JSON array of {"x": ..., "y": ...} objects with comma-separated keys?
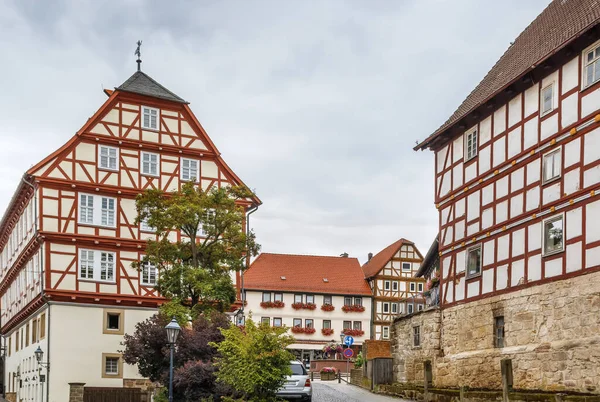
[
  {"x": 327, "y": 331},
  {"x": 303, "y": 330},
  {"x": 273, "y": 304},
  {"x": 354, "y": 332},
  {"x": 328, "y": 373},
  {"x": 304, "y": 306},
  {"x": 327, "y": 307},
  {"x": 355, "y": 308}
]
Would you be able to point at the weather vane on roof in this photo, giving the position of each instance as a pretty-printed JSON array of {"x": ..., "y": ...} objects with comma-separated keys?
[{"x": 138, "y": 53}]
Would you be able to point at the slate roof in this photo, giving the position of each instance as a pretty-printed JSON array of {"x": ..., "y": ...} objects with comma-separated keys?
[
  {"x": 561, "y": 22},
  {"x": 430, "y": 259},
  {"x": 305, "y": 273},
  {"x": 376, "y": 264},
  {"x": 141, "y": 83}
]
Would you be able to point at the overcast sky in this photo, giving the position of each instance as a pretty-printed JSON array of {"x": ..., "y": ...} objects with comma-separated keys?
[{"x": 314, "y": 104}]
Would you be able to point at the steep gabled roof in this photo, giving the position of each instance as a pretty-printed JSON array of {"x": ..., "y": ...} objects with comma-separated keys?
[
  {"x": 376, "y": 264},
  {"x": 142, "y": 84},
  {"x": 306, "y": 273},
  {"x": 430, "y": 259},
  {"x": 561, "y": 22}
]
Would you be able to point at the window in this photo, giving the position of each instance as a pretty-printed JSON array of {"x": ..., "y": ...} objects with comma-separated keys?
[
  {"x": 43, "y": 326},
  {"x": 149, "y": 118},
  {"x": 474, "y": 261},
  {"x": 386, "y": 307},
  {"x": 310, "y": 299},
  {"x": 145, "y": 227},
  {"x": 104, "y": 216},
  {"x": 17, "y": 341},
  {"x": 27, "y": 334},
  {"x": 112, "y": 366},
  {"x": 278, "y": 297},
  {"x": 266, "y": 297},
  {"x": 189, "y": 169},
  {"x": 149, "y": 274},
  {"x": 417, "y": 336},
  {"x": 9, "y": 345},
  {"x": 419, "y": 307},
  {"x": 309, "y": 323},
  {"x": 547, "y": 99},
  {"x": 347, "y": 301},
  {"x": 395, "y": 286},
  {"x": 150, "y": 164},
  {"x": 277, "y": 322},
  {"x": 347, "y": 324},
  {"x": 208, "y": 221},
  {"x": 470, "y": 148},
  {"x": 358, "y": 301},
  {"x": 108, "y": 157},
  {"x": 395, "y": 308},
  {"x": 297, "y": 298},
  {"x": 591, "y": 65},
  {"x": 34, "y": 331},
  {"x": 327, "y": 324},
  {"x": 97, "y": 265},
  {"x": 385, "y": 333},
  {"x": 297, "y": 322},
  {"x": 499, "y": 332},
  {"x": 357, "y": 325},
  {"x": 420, "y": 287},
  {"x": 406, "y": 266},
  {"x": 265, "y": 321},
  {"x": 113, "y": 322},
  {"x": 410, "y": 308},
  {"x": 552, "y": 162},
  {"x": 327, "y": 300},
  {"x": 553, "y": 235},
  {"x": 386, "y": 285}
]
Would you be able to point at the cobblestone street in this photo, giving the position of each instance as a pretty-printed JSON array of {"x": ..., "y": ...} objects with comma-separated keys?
[{"x": 331, "y": 391}]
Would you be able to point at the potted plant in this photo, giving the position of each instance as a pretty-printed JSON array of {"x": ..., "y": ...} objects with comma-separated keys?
[
  {"x": 327, "y": 307},
  {"x": 354, "y": 332},
  {"x": 327, "y": 331},
  {"x": 328, "y": 373},
  {"x": 355, "y": 308},
  {"x": 272, "y": 304},
  {"x": 332, "y": 348}
]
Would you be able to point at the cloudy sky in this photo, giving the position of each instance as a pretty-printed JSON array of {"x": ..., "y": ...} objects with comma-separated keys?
[{"x": 315, "y": 104}]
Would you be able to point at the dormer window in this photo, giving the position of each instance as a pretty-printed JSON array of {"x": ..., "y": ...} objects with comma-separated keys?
[
  {"x": 470, "y": 144},
  {"x": 591, "y": 65},
  {"x": 149, "y": 118},
  {"x": 547, "y": 99}
]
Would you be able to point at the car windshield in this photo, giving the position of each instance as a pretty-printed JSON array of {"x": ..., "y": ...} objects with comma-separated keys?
[{"x": 298, "y": 369}]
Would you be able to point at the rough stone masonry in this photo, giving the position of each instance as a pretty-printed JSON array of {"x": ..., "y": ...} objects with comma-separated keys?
[{"x": 552, "y": 336}]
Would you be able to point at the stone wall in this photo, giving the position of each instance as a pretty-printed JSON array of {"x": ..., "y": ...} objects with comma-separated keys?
[{"x": 552, "y": 336}]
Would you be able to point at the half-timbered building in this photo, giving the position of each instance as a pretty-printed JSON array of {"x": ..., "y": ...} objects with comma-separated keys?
[
  {"x": 68, "y": 239},
  {"x": 517, "y": 179},
  {"x": 390, "y": 274}
]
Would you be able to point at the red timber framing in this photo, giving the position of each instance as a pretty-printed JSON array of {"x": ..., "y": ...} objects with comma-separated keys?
[
  {"x": 499, "y": 200},
  {"x": 74, "y": 169}
]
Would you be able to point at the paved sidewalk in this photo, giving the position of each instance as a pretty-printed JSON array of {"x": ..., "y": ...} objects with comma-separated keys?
[{"x": 331, "y": 391}]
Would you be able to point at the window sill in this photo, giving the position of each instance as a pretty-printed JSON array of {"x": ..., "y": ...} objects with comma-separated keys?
[
  {"x": 156, "y": 130},
  {"x": 552, "y": 180},
  {"x": 467, "y": 160},
  {"x": 108, "y": 169},
  {"x": 150, "y": 175},
  {"x": 97, "y": 281},
  {"x": 547, "y": 113},
  {"x": 553, "y": 253},
  {"x": 148, "y": 285},
  {"x": 473, "y": 276},
  {"x": 91, "y": 225}
]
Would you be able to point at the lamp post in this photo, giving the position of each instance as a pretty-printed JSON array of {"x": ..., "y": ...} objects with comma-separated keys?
[
  {"x": 173, "y": 329},
  {"x": 39, "y": 356}
]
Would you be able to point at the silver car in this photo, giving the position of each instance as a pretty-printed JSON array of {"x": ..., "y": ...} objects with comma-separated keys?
[{"x": 296, "y": 386}]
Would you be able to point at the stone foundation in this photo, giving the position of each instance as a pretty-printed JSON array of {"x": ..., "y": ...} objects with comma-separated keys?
[
  {"x": 76, "y": 391},
  {"x": 552, "y": 336}
]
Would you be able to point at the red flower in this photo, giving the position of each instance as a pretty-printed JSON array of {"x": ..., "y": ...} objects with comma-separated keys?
[
  {"x": 304, "y": 306},
  {"x": 327, "y": 331},
  {"x": 327, "y": 307},
  {"x": 353, "y": 308},
  {"x": 301, "y": 330},
  {"x": 274, "y": 304},
  {"x": 354, "y": 332}
]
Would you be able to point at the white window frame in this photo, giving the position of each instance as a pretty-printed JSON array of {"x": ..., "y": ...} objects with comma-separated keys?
[
  {"x": 585, "y": 64},
  {"x": 387, "y": 285},
  {"x": 150, "y": 164},
  {"x": 471, "y": 133},
  {"x": 412, "y": 287},
  {"x": 407, "y": 265},
  {"x": 552, "y": 87},
  {"x": 196, "y": 178},
  {"x": 97, "y": 267},
  {"x": 420, "y": 287},
  {"x": 394, "y": 308},
  {"x": 150, "y": 110},
  {"x": 97, "y": 210},
  {"x": 410, "y": 308},
  {"x": 553, "y": 218},
  {"x": 394, "y": 286},
  {"x": 385, "y": 332},
  {"x": 108, "y": 148},
  {"x": 144, "y": 227},
  {"x": 385, "y": 307},
  {"x": 86, "y": 212},
  {"x": 106, "y": 372},
  {"x": 146, "y": 274},
  {"x": 201, "y": 231},
  {"x": 544, "y": 157},
  {"x": 478, "y": 246}
]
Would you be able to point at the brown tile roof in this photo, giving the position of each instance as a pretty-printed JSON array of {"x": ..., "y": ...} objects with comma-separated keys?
[
  {"x": 561, "y": 22},
  {"x": 375, "y": 264},
  {"x": 305, "y": 273}
]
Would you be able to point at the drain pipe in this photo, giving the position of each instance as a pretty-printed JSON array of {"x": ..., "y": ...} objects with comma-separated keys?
[{"x": 243, "y": 293}]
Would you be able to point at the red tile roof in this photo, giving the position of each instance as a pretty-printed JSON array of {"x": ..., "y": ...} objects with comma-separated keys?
[
  {"x": 375, "y": 264},
  {"x": 305, "y": 273},
  {"x": 561, "y": 22}
]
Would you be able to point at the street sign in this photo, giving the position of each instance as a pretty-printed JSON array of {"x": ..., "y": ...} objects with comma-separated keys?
[
  {"x": 348, "y": 353},
  {"x": 348, "y": 340}
]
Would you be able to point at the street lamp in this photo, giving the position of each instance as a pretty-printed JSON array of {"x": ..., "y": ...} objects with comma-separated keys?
[
  {"x": 173, "y": 329},
  {"x": 39, "y": 356}
]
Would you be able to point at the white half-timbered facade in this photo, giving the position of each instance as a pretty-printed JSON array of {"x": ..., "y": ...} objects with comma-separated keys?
[
  {"x": 390, "y": 275},
  {"x": 68, "y": 238}
]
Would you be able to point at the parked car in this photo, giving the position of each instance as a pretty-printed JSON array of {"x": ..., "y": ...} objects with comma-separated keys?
[{"x": 296, "y": 386}]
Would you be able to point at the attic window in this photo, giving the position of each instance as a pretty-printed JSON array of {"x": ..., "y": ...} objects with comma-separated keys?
[
  {"x": 325, "y": 280},
  {"x": 283, "y": 278},
  {"x": 149, "y": 118}
]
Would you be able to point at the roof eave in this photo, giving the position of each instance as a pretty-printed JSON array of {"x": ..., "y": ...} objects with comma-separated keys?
[{"x": 184, "y": 102}]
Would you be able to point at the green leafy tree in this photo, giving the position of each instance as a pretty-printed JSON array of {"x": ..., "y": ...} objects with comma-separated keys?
[
  {"x": 253, "y": 359},
  {"x": 195, "y": 271}
]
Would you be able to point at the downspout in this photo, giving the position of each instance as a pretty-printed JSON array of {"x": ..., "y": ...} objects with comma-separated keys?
[
  {"x": 243, "y": 293},
  {"x": 41, "y": 265}
]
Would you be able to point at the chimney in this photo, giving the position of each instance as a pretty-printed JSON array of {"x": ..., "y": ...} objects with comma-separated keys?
[
  {"x": 344, "y": 255},
  {"x": 369, "y": 257}
]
